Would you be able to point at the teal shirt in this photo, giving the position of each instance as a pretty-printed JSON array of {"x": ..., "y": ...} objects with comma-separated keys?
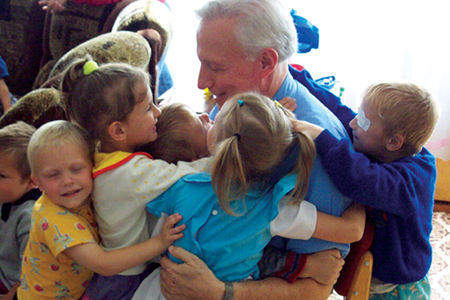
[{"x": 231, "y": 246}]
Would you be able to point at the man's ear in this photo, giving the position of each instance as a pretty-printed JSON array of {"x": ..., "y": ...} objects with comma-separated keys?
[
  {"x": 395, "y": 142},
  {"x": 269, "y": 60},
  {"x": 116, "y": 131}
]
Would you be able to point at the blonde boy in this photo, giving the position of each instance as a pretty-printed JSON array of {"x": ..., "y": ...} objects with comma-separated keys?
[
  {"x": 63, "y": 252},
  {"x": 17, "y": 197},
  {"x": 394, "y": 176}
]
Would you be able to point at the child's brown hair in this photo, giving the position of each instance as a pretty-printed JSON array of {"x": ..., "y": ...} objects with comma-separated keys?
[
  {"x": 14, "y": 140},
  {"x": 175, "y": 135},
  {"x": 97, "y": 98}
]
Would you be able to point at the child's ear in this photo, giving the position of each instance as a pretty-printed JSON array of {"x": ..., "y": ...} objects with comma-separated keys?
[
  {"x": 31, "y": 184},
  {"x": 395, "y": 142},
  {"x": 34, "y": 182},
  {"x": 116, "y": 131}
]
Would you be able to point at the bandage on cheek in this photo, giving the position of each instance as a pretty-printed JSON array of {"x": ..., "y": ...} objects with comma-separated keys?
[{"x": 363, "y": 122}]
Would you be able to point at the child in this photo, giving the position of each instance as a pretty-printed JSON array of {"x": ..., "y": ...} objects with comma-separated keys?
[
  {"x": 113, "y": 103},
  {"x": 394, "y": 176},
  {"x": 237, "y": 210},
  {"x": 17, "y": 197},
  {"x": 62, "y": 252},
  {"x": 181, "y": 134}
]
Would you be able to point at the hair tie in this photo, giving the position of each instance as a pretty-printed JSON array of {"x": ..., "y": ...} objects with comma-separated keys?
[
  {"x": 240, "y": 102},
  {"x": 238, "y": 135},
  {"x": 89, "y": 67},
  {"x": 278, "y": 103}
]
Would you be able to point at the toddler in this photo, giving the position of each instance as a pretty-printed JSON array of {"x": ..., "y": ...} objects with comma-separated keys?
[
  {"x": 63, "y": 251},
  {"x": 393, "y": 175},
  {"x": 181, "y": 134},
  {"x": 17, "y": 197}
]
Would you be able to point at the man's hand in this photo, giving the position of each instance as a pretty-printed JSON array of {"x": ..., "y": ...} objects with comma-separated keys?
[
  {"x": 324, "y": 266},
  {"x": 190, "y": 280}
]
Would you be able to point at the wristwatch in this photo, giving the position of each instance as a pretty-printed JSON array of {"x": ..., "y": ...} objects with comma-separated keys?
[{"x": 229, "y": 291}]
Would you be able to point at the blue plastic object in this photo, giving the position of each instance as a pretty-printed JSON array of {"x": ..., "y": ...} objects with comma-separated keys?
[
  {"x": 327, "y": 82},
  {"x": 307, "y": 33}
]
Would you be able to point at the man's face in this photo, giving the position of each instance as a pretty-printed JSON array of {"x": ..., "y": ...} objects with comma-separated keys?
[{"x": 224, "y": 68}]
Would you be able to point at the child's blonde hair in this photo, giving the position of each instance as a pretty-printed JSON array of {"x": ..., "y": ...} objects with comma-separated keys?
[
  {"x": 253, "y": 135},
  {"x": 14, "y": 141},
  {"x": 175, "y": 139},
  {"x": 101, "y": 97},
  {"x": 55, "y": 134},
  {"x": 406, "y": 109}
]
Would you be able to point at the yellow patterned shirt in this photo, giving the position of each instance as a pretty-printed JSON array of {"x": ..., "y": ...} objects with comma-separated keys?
[{"x": 47, "y": 273}]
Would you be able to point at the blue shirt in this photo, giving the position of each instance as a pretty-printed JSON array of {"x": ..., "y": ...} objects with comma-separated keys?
[
  {"x": 321, "y": 191},
  {"x": 230, "y": 245},
  {"x": 3, "y": 69}
]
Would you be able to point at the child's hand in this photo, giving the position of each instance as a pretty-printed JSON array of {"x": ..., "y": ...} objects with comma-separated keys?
[
  {"x": 289, "y": 103},
  {"x": 307, "y": 128},
  {"x": 169, "y": 233},
  {"x": 52, "y": 5}
]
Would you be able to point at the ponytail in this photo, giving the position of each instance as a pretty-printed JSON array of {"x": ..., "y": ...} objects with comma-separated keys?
[
  {"x": 304, "y": 164},
  {"x": 228, "y": 175}
]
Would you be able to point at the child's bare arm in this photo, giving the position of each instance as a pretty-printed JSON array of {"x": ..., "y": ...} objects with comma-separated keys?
[
  {"x": 11, "y": 293},
  {"x": 288, "y": 103},
  {"x": 169, "y": 233},
  {"x": 53, "y": 5},
  {"x": 4, "y": 96},
  {"x": 348, "y": 228},
  {"x": 307, "y": 128},
  {"x": 109, "y": 263}
]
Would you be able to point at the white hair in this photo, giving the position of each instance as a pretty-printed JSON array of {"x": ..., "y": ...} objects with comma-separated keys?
[{"x": 260, "y": 24}]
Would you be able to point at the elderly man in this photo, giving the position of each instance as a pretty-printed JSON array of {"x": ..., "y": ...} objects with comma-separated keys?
[{"x": 245, "y": 45}]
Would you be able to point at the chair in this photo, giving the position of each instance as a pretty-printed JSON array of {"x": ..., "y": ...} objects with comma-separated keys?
[{"x": 354, "y": 281}]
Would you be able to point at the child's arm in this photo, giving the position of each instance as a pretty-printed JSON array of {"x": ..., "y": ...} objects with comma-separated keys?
[
  {"x": 4, "y": 96},
  {"x": 11, "y": 293},
  {"x": 52, "y": 5},
  {"x": 304, "y": 221},
  {"x": 392, "y": 187},
  {"x": 307, "y": 128},
  {"x": 348, "y": 228},
  {"x": 327, "y": 98},
  {"x": 109, "y": 263}
]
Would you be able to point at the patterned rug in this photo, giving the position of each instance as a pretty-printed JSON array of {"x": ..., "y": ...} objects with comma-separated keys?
[{"x": 439, "y": 274}]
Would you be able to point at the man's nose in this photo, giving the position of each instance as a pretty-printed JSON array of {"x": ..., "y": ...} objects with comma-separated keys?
[{"x": 205, "y": 79}]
